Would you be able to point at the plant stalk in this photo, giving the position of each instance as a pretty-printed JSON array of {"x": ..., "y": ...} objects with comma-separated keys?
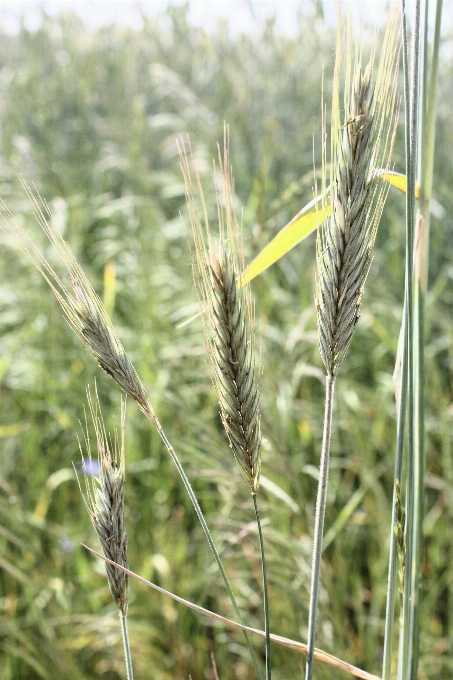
[
  {"x": 319, "y": 524},
  {"x": 212, "y": 545},
  {"x": 411, "y": 94},
  {"x": 406, "y": 370},
  {"x": 127, "y": 649},
  {"x": 421, "y": 262},
  {"x": 265, "y": 595}
]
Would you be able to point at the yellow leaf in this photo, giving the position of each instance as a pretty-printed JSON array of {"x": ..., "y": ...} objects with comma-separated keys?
[
  {"x": 303, "y": 224},
  {"x": 397, "y": 180}
]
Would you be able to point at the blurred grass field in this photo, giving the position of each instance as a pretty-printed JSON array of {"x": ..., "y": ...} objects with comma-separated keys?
[{"x": 92, "y": 117}]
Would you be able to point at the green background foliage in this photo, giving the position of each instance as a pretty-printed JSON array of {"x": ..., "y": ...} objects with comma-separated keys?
[{"x": 92, "y": 118}]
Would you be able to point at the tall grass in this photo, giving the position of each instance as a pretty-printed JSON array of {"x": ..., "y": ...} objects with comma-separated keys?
[{"x": 107, "y": 154}]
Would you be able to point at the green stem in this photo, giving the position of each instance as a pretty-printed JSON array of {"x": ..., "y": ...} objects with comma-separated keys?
[
  {"x": 127, "y": 649},
  {"x": 319, "y": 525},
  {"x": 406, "y": 374},
  {"x": 265, "y": 596},
  {"x": 411, "y": 109},
  {"x": 427, "y": 126},
  {"x": 212, "y": 545}
]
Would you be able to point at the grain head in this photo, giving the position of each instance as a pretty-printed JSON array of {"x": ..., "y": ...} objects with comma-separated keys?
[
  {"x": 104, "y": 499},
  {"x": 361, "y": 145},
  {"x": 227, "y": 315}
]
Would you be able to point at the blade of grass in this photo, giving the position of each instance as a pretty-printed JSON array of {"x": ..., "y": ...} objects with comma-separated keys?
[
  {"x": 302, "y": 225},
  {"x": 398, "y": 180},
  {"x": 300, "y": 647}
]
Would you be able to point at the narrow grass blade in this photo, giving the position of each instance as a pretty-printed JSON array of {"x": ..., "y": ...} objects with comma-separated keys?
[
  {"x": 300, "y": 647},
  {"x": 402, "y": 406}
]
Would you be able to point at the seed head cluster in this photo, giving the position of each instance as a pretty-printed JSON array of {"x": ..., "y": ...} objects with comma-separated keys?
[
  {"x": 233, "y": 363},
  {"x": 228, "y": 319},
  {"x": 361, "y": 149},
  {"x": 104, "y": 501}
]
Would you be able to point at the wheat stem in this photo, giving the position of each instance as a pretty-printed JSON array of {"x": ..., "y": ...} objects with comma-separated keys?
[
  {"x": 104, "y": 501},
  {"x": 265, "y": 594},
  {"x": 228, "y": 324},
  {"x": 127, "y": 649},
  {"x": 402, "y": 406},
  {"x": 319, "y": 524},
  {"x": 210, "y": 540},
  {"x": 411, "y": 100},
  {"x": 360, "y": 147},
  {"x": 421, "y": 261}
]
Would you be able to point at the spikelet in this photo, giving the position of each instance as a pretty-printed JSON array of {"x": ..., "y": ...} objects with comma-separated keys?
[
  {"x": 104, "y": 500},
  {"x": 228, "y": 317},
  {"x": 360, "y": 149},
  {"x": 82, "y": 307}
]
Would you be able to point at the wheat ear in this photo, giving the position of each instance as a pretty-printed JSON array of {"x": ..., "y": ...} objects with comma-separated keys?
[
  {"x": 228, "y": 325},
  {"x": 104, "y": 501},
  {"x": 361, "y": 146}
]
